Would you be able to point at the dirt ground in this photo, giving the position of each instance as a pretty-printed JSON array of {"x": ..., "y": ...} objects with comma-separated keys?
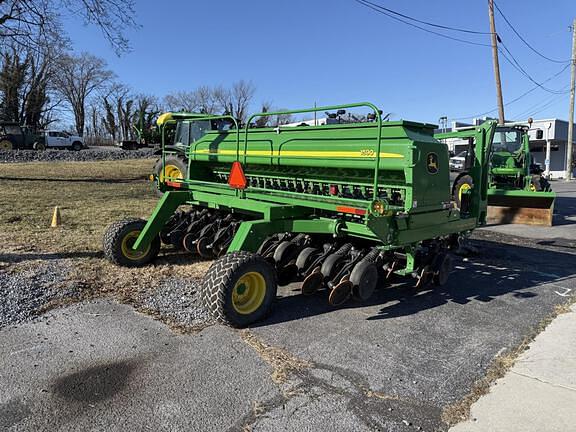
[{"x": 90, "y": 195}]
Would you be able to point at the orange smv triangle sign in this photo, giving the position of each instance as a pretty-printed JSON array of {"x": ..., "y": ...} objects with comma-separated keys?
[{"x": 237, "y": 179}]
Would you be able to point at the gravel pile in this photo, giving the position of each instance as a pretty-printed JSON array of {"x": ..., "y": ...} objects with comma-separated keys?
[
  {"x": 91, "y": 154},
  {"x": 178, "y": 301},
  {"x": 24, "y": 290}
]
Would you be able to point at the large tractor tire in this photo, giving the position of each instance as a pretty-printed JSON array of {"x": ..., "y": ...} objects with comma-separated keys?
[
  {"x": 239, "y": 289},
  {"x": 119, "y": 239},
  {"x": 176, "y": 167},
  {"x": 6, "y": 144},
  {"x": 461, "y": 186}
]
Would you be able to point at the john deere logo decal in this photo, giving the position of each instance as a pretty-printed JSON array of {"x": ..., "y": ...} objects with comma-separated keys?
[{"x": 432, "y": 163}]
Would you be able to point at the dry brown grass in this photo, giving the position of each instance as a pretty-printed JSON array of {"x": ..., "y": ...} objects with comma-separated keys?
[
  {"x": 282, "y": 362},
  {"x": 91, "y": 195},
  {"x": 460, "y": 411}
]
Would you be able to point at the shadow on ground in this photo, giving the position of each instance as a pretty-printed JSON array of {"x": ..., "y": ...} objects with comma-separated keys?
[
  {"x": 77, "y": 180},
  {"x": 566, "y": 211},
  {"x": 32, "y": 256},
  {"x": 497, "y": 270},
  {"x": 167, "y": 257}
]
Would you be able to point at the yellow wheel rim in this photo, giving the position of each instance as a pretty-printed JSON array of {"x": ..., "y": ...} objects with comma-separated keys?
[
  {"x": 127, "y": 243},
  {"x": 463, "y": 189},
  {"x": 171, "y": 171},
  {"x": 5, "y": 145},
  {"x": 249, "y": 293},
  {"x": 532, "y": 188}
]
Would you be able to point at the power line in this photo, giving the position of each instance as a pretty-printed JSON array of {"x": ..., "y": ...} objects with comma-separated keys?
[
  {"x": 523, "y": 71},
  {"x": 378, "y": 8},
  {"x": 524, "y": 40},
  {"x": 426, "y": 22},
  {"x": 538, "y": 108},
  {"x": 548, "y": 105},
  {"x": 506, "y": 53},
  {"x": 395, "y": 15},
  {"x": 517, "y": 98}
]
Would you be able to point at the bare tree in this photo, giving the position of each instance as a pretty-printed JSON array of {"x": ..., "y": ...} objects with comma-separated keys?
[
  {"x": 108, "y": 119},
  {"x": 77, "y": 79},
  {"x": 201, "y": 99},
  {"x": 241, "y": 95},
  {"x": 234, "y": 101},
  {"x": 281, "y": 119},
  {"x": 264, "y": 121},
  {"x": 33, "y": 23},
  {"x": 181, "y": 101},
  {"x": 26, "y": 93},
  {"x": 223, "y": 99},
  {"x": 12, "y": 82}
]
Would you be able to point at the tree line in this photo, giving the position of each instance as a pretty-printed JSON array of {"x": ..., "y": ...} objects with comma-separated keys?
[{"x": 42, "y": 82}]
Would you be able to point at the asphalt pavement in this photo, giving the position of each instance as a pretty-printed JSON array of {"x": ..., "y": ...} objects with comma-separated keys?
[{"x": 394, "y": 364}]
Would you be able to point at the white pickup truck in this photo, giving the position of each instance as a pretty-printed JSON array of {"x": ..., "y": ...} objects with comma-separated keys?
[{"x": 58, "y": 139}]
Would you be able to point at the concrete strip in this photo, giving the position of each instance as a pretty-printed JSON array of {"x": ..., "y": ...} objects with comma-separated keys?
[{"x": 539, "y": 393}]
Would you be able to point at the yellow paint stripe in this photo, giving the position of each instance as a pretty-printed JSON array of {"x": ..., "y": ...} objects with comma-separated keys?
[{"x": 300, "y": 153}]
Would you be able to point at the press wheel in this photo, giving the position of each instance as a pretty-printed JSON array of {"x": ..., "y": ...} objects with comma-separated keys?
[{"x": 364, "y": 277}]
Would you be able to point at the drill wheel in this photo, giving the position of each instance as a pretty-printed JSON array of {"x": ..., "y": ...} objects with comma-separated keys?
[
  {"x": 331, "y": 265},
  {"x": 364, "y": 277},
  {"x": 119, "y": 239},
  {"x": 239, "y": 289},
  {"x": 305, "y": 258},
  {"x": 284, "y": 253}
]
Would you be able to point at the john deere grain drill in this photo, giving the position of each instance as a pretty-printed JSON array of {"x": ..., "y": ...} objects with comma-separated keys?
[{"x": 339, "y": 207}]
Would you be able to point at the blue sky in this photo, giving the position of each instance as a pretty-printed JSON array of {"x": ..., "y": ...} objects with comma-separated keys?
[{"x": 300, "y": 52}]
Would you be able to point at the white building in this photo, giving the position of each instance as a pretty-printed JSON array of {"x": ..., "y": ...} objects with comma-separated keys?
[{"x": 553, "y": 130}]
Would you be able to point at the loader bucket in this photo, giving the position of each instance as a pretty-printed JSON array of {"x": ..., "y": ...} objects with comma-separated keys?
[{"x": 520, "y": 207}]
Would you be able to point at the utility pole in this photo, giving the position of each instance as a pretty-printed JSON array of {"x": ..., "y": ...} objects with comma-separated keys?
[
  {"x": 496, "y": 63},
  {"x": 569, "y": 151}
]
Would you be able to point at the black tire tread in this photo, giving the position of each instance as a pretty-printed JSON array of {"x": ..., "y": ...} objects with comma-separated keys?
[
  {"x": 112, "y": 238},
  {"x": 218, "y": 280}
]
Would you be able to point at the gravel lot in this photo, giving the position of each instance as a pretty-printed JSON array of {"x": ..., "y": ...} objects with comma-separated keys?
[
  {"x": 91, "y": 154},
  {"x": 31, "y": 287},
  {"x": 26, "y": 289},
  {"x": 176, "y": 301}
]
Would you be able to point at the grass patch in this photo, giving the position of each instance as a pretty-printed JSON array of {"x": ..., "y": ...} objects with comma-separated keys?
[{"x": 90, "y": 195}]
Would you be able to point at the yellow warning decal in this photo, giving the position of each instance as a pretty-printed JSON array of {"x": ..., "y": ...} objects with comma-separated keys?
[{"x": 301, "y": 153}]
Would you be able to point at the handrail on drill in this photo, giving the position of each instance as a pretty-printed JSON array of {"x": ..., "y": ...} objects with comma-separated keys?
[{"x": 373, "y": 107}]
